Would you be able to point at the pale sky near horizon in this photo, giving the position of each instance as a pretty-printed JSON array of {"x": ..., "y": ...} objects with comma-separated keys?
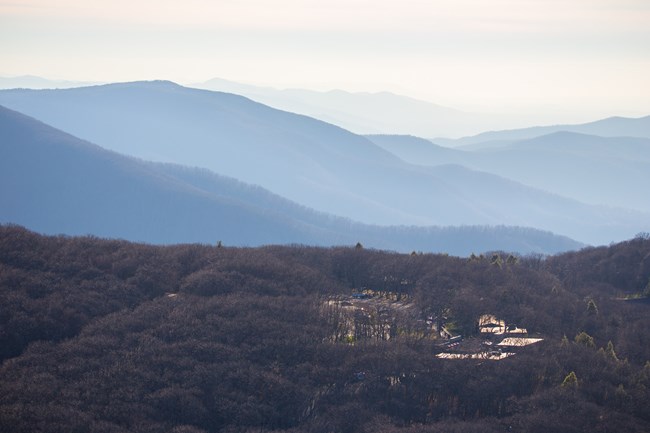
[{"x": 586, "y": 57}]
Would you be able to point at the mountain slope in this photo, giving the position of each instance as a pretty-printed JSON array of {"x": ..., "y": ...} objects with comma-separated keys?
[
  {"x": 55, "y": 183},
  {"x": 305, "y": 160},
  {"x": 613, "y": 171},
  {"x": 288, "y": 154},
  {"x": 417, "y": 150}
]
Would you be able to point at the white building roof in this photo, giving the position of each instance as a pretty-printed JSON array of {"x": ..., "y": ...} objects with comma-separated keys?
[{"x": 519, "y": 342}]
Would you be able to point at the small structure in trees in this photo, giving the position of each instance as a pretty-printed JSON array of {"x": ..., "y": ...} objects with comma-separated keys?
[
  {"x": 489, "y": 324},
  {"x": 518, "y": 341},
  {"x": 511, "y": 338}
]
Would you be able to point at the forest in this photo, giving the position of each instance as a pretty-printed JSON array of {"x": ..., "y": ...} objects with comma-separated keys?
[{"x": 100, "y": 335}]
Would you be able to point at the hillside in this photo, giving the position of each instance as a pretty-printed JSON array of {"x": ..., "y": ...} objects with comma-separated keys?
[
  {"x": 55, "y": 183},
  {"x": 192, "y": 338},
  {"x": 417, "y": 150},
  {"x": 610, "y": 171},
  {"x": 307, "y": 161}
]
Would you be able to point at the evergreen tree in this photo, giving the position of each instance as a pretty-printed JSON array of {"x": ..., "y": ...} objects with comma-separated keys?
[
  {"x": 585, "y": 339},
  {"x": 609, "y": 351},
  {"x": 564, "y": 342},
  {"x": 570, "y": 381},
  {"x": 592, "y": 309}
]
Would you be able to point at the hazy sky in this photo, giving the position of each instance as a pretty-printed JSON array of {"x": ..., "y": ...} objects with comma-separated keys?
[{"x": 575, "y": 56}]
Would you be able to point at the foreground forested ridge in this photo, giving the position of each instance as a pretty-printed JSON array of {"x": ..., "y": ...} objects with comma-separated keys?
[{"x": 111, "y": 336}]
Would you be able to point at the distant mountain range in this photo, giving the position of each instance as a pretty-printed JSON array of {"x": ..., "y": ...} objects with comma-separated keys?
[
  {"x": 613, "y": 171},
  {"x": 610, "y": 127},
  {"x": 385, "y": 113},
  {"x": 308, "y": 161},
  {"x": 33, "y": 82},
  {"x": 363, "y": 112},
  {"x": 55, "y": 183}
]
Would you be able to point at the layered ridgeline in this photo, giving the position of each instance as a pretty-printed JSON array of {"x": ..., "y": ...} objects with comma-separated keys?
[
  {"x": 609, "y": 127},
  {"x": 55, "y": 183},
  {"x": 308, "y": 161},
  {"x": 34, "y": 82},
  {"x": 362, "y": 112},
  {"x": 613, "y": 171}
]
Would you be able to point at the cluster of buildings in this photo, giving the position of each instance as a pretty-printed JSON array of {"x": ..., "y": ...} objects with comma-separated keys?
[{"x": 496, "y": 341}]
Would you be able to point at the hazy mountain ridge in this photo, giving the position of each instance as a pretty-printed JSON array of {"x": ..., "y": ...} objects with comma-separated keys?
[
  {"x": 621, "y": 147},
  {"x": 362, "y": 112},
  {"x": 418, "y": 150},
  {"x": 609, "y": 127},
  {"x": 308, "y": 161},
  {"x": 34, "y": 82},
  {"x": 235, "y": 136},
  {"x": 452, "y": 239},
  {"x": 613, "y": 171},
  {"x": 55, "y": 183}
]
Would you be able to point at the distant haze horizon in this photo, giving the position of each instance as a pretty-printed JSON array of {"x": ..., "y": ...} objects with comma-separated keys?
[
  {"x": 485, "y": 119},
  {"x": 537, "y": 61},
  {"x": 513, "y": 111}
]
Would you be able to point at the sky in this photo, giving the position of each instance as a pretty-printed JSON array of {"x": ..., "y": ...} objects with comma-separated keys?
[{"x": 581, "y": 59}]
